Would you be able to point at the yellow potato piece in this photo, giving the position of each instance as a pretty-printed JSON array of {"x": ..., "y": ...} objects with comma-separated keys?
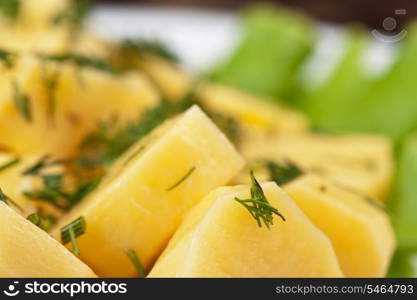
[
  {"x": 82, "y": 98},
  {"x": 91, "y": 45},
  {"x": 141, "y": 202},
  {"x": 219, "y": 238},
  {"x": 34, "y": 30},
  {"x": 359, "y": 229},
  {"x": 21, "y": 40},
  {"x": 361, "y": 162},
  {"x": 170, "y": 78},
  {"x": 258, "y": 116},
  {"x": 27, "y": 251}
]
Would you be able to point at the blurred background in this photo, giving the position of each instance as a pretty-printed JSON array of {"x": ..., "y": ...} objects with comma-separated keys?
[{"x": 370, "y": 12}]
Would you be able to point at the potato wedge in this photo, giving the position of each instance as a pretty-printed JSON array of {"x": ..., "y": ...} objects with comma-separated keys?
[
  {"x": 28, "y": 251},
  {"x": 219, "y": 238},
  {"x": 141, "y": 202},
  {"x": 81, "y": 99},
  {"x": 360, "y": 230},
  {"x": 361, "y": 162}
]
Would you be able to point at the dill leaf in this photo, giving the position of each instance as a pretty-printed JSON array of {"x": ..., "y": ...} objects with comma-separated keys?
[
  {"x": 182, "y": 179},
  {"x": 258, "y": 206},
  {"x": 284, "y": 172},
  {"x": 22, "y": 102},
  {"x": 10, "y": 164},
  {"x": 70, "y": 232},
  {"x": 131, "y": 254}
]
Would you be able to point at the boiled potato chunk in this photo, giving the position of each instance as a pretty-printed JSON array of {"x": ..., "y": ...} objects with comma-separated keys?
[
  {"x": 174, "y": 82},
  {"x": 33, "y": 29},
  {"x": 361, "y": 162},
  {"x": 219, "y": 238},
  {"x": 141, "y": 202},
  {"x": 82, "y": 98},
  {"x": 258, "y": 116},
  {"x": 21, "y": 40},
  {"x": 359, "y": 229},
  {"x": 28, "y": 251}
]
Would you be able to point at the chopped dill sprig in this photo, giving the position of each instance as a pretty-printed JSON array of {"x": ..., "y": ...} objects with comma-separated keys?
[
  {"x": 44, "y": 223},
  {"x": 283, "y": 173},
  {"x": 7, "y": 58},
  {"x": 74, "y": 15},
  {"x": 81, "y": 61},
  {"x": 50, "y": 83},
  {"x": 154, "y": 47},
  {"x": 6, "y": 199},
  {"x": 10, "y": 164},
  {"x": 10, "y": 8},
  {"x": 22, "y": 102},
  {"x": 258, "y": 206},
  {"x": 182, "y": 179},
  {"x": 53, "y": 189},
  {"x": 131, "y": 254},
  {"x": 70, "y": 232},
  {"x": 44, "y": 162}
]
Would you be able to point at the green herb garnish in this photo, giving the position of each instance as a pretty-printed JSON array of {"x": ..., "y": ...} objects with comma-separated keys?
[
  {"x": 154, "y": 47},
  {"x": 9, "y": 164},
  {"x": 53, "y": 189},
  {"x": 81, "y": 61},
  {"x": 44, "y": 162},
  {"x": 283, "y": 173},
  {"x": 182, "y": 179},
  {"x": 54, "y": 192},
  {"x": 50, "y": 82},
  {"x": 70, "y": 232},
  {"x": 7, "y": 58},
  {"x": 74, "y": 15},
  {"x": 136, "y": 262},
  {"x": 6, "y": 199},
  {"x": 10, "y": 8},
  {"x": 258, "y": 206},
  {"x": 44, "y": 223},
  {"x": 35, "y": 219},
  {"x": 22, "y": 102}
]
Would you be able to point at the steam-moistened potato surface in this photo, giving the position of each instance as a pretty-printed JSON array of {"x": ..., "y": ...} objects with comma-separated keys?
[
  {"x": 55, "y": 120},
  {"x": 28, "y": 251},
  {"x": 257, "y": 115},
  {"x": 141, "y": 203},
  {"x": 359, "y": 229},
  {"x": 219, "y": 238},
  {"x": 360, "y": 162}
]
